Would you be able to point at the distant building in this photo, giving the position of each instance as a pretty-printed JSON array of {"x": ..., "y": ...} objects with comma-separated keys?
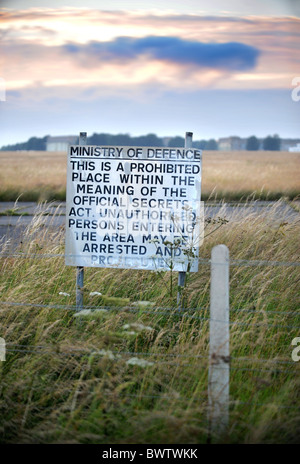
[
  {"x": 295, "y": 149},
  {"x": 231, "y": 143},
  {"x": 286, "y": 144},
  {"x": 238, "y": 143},
  {"x": 60, "y": 143}
]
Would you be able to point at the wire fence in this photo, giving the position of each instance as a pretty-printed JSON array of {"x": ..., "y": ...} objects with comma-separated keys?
[
  {"x": 55, "y": 349},
  {"x": 156, "y": 310},
  {"x": 183, "y": 313},
  {"x": 120, "y": 355},
  {"x": 269, "y": 367},
  {"x": 115, "y": 355}
]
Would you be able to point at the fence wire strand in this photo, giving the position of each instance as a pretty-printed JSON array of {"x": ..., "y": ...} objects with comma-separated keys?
[
  {"x": 55, "y": 349},
  {"x": 156, "y": 310},
  {"x": 176, "y": 312},
  {"x": 117, "y": 355}
]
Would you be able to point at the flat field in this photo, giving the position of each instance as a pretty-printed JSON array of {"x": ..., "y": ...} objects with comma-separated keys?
[
  {"x": 39, "y": 176},
  {"x": 236, "y": 174}
]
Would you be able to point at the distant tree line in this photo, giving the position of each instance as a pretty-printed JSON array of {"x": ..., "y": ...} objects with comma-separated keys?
[
  {"x": 150, "y": 140},
  {"x": 211, "y": 144},
  {"x": 268, "y": 143},
  {"x": 34, "y": 143}
]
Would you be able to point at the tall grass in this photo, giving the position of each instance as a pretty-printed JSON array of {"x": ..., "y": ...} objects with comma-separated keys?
[{"x": 74, "y": 380}]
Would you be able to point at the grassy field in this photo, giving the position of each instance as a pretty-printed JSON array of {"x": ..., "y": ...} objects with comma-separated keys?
[
  {"x": 70, "y": 380},
  {"x": 39, "y": 176}
]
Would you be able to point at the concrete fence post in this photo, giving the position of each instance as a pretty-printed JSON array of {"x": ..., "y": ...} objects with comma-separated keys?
[
  {"x": 80, "y": 269},
  {"x": 2, "y": 349},
  {"x": 219, "y": 355}
]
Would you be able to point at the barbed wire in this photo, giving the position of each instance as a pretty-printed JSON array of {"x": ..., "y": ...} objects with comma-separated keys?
[
  {"x": 202, "y": 394},
  {"x": 54, "y": 350},
  {"x": 156, "y": 310},
  {"x": 117, "y": 355},
  {"x": 141, "y": 308},
  {"x": 169, "y": 363},
  {"x": 147, "y": 353},
  {"x": 245, "y": 262},
  {"x": 108, "y": 355},
  {"x": 177, "y": 397},
  {"x": 265, "y": 311},
  {"x": 176, "y": 312},
  {"x": 91, "y": 307}
]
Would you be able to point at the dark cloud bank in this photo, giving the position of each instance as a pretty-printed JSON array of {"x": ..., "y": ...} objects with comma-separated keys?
[{"x": 231, "y": 56}]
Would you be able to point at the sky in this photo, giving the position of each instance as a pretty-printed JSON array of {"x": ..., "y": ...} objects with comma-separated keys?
[{"x": 216, "y": 68}]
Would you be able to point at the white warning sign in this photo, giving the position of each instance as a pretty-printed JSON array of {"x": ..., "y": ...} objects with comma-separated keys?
[{"x": 134, "y": 207}]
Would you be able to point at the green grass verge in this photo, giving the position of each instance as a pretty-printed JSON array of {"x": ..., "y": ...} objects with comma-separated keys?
[{"x": 35, "y": 195}]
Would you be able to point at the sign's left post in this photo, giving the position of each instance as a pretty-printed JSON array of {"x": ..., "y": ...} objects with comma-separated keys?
[{"x": 80, "y": 269}]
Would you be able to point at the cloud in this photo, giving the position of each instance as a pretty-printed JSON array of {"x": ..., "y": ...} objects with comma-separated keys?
[
  {"x": 231, "y": 56},
  {"x": 91, "y": 47}
]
